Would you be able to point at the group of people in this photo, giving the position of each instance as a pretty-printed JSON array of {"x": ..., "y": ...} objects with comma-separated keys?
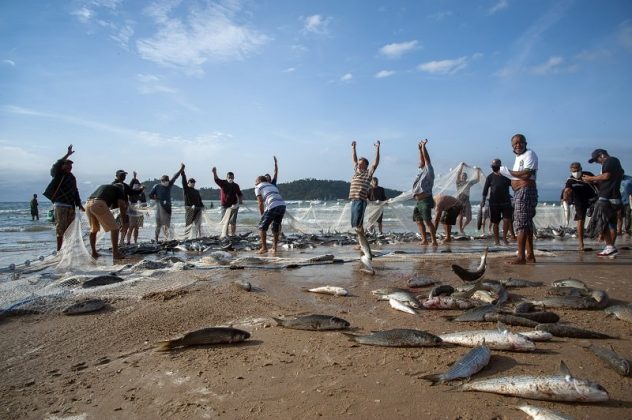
[{"x": 601, "y": 194}]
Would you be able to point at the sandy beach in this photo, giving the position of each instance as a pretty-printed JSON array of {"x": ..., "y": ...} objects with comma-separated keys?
[{"x": 104, "y": 364}]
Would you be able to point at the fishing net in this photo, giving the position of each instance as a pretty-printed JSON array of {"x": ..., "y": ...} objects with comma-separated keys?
[{"x": 73, "y": 253}]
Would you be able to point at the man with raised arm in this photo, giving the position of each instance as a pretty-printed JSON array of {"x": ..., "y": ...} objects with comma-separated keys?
[
  {"x": 64, "y": 194},
  {"x": 422, "y": 191},
  {"x": 193, "y": 207},
  {"x": 272, "y": 210},
  {"x": 463, "y": 187},
  {"x": 230, "y": 198},
  {"x": 360, "y": 184},
  {"x": 273, "y": 179},
  {"x": 162, "y": 194}
]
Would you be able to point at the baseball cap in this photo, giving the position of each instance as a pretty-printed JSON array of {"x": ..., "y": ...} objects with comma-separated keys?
[
  {"x": 120, "y": 172},
  {"x": 595, "y": 154}
]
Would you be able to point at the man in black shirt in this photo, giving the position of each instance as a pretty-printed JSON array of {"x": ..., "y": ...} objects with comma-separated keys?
[
  {"x": 499, "y": 200},
  {"x": 607, "y": 207},
  {"x": 119, "y": 181},
  {"x": 376, "y": 196},
  {"x": 98, "y": 211},
  {"x": 581, "y": 194},
  {"x": 193, "y": 207}
]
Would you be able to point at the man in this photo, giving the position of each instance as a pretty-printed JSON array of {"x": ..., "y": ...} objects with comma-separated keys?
[
  {"x": 273, "y": 179},
  {"x": 581, "y": 194},
  {"x": 137, "y": 204},
  {"x": 463, "y": 187},
  {"x": 119, "y": 181},
  {"x": 377, "y": 195},
  {"x": 499, "y": 203},
  {"x": 64, "y": 194},
  {"x": 360, "y": 183},
  {"x": 230, "y": 198},
  {"x": 162, "y": 194},
  {"x": 193, "y": 207},
  {"x": 523, "y": 177},
  {"x": 34, "y": 208},
  {"x": 626, "y": 199},
  {"x": 604, "y": 217},
  {"x": 422, "y": 191},
  {"x": 98, "y": 207},
  {"x": 272, "y": 210},
  {"x": 447, "y": 209}
]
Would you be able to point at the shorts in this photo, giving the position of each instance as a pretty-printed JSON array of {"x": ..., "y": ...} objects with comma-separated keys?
[
  {"x": 423, "y": 210},
  {"x": 233, "y": 215},
  {"x": 580, "y": 211},
  {"x": 100, "y": 215},
  {"x": 163, "y": 217},
  {"x": 525, "y": 202},
  {"x": 136, "y": 220},
  {"x": 64, "y": 216},
  {"x": 273, "y": 216},
  {"x": 497, "y": 212},
  {"x": 448, "y": 216},
  {"x": 357, "y": 213}
]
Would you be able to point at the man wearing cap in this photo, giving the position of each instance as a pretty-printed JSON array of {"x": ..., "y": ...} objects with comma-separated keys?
[
  {"x": 581, "y": 194},
  {"x": 230, "y": 198},
  {"x": 499, "y": 203},
  {"x": 119, "y": 181},
  {"x": 98, "y": 207},
  {"x": 193, "y": 207},
  {"x": 64, "y": 194},
  {"x": 162, "y": 194},
  {"x": 608, "y": 205}
]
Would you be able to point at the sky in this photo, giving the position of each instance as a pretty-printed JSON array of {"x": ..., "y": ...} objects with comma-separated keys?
[{"x": 145, "y": 85}]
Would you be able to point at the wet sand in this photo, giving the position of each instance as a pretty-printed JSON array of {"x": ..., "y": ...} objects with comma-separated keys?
[{"x": 103, "y": 365}]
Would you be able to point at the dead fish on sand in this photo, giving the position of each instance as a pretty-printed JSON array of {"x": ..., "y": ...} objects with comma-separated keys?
[
  {"x": 205, "y": 336},
  {"x": 397, "y": 338},
  {"x": 570, "y": 283},
  {"x": 498, "y": 339},
  {"x": 420, "y": 281},
  {"x": 620, "y": 364},
  {"x": 467, "y": 275},
  {"x": 537, "y": 335},
  {"x": 475, "y": 360},
  {"x": 85, "y": 306},
  {"x": 446, "y": 302},
  {"x": 330, "y": 290},
  {"x": 101, "y": 281},
  {"x": 314, "y": 323},
  {"x": 243, "y": 284},
  {"x": 541, "y": 413},
  {"x": 570, "y": 331},
  {"x": 398, "y": 305},
  {"x": 623, "y": 312},
  {"x": 520, "y": 283},
  {"x": 441, "y": 290},
  {"x": 560, "y": 387}
]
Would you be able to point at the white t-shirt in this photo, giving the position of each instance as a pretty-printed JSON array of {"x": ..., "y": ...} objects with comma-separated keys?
[
  {"x": 527, "y": 160},
  {"x": 270, "y": 195}
]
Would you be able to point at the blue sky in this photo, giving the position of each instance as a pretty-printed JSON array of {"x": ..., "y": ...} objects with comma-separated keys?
[{"x": 146, "y": 85}]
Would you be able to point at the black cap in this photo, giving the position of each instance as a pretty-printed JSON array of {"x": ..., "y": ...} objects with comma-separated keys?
[
  {"x": 595, "y": 154},
  {"x": 120, "y": 172},
  {"x": 191, "y": 180}
]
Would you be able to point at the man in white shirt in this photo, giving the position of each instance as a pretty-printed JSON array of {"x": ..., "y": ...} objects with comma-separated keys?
[{"x": 272, "y": 210}]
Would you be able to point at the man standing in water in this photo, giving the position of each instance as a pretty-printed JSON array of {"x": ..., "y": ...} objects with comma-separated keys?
[
  {"x": 230, "y": 198},
  {"x": 193, "y": 207},
  {"x": 34, "y": 208},
  {"x": 64, "y": 194},
  {"x": 119, "y": 181},
  {"x": 580, "y": 194},
  {"x": 162, "y": 194},
  {"x": 499, "y": 203},
  {"x": 523, "y": 178},
  {"x": 422, "y": 191},
  {"x": 608, "y": 205},
  {"x": 463, "y": 187},
  {"x": 272, "y": 210}
]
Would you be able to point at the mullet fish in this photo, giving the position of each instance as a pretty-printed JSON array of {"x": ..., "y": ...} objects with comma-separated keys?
[
  {"x": 498, "y": 339},
  {"x": 475, "y": 360},
  {"x": 397, "y": 338},
  {"x": 213, "y": 335}
]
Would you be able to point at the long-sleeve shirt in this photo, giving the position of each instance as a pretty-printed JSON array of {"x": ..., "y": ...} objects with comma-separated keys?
[
  {"x": 191, "y": 195},
  {"x": 65, "y": 184},
  {"x": 229, "y": 192},
  {"x": 498, "y": 188}
]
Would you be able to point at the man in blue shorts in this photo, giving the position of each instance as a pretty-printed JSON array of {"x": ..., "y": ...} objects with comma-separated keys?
[
  {"x": 360, "y": 184},
  {"x": 272, "y": 210}
]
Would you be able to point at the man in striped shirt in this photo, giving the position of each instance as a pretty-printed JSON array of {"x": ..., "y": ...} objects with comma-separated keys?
[
  {"x": 360, "y": 184},
  {"x": 272, "y": 210}
]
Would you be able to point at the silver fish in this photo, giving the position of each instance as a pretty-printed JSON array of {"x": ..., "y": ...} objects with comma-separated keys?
[
  {"x": 510, "y": 282},
  {"x": 475, "y": 360},
  {"x": 404, "y": 297},
  {"x": 560, "y": 387},
  {"x": 467, "y": 275},
  {"x": 366, "y": 250},
  {"x": 540, "y": 413},
  {"x": 330, "y": 290},
  {"x": 570, "y": 331},
  {"x": 620, "y": 364},
  {"x": 537, "y": 335},
  {"x": 387, "y": 290},
  {"x": 314, "y": 322},
  {"x": 510, "y": 319},
  {"x": 543, "y": 317},
  {"x": 419, "y": 281},
  {"x": 623, "y": 312},
  {"x": 213, "y": 335},
  {"x": 397, "y": 338},
  {"x": 396, "y": 304},
  {"x": 494, "y": 339},
  {"x": 243, "y": 284},
  {"x": 569, "y": 283},
  {"x": 476, "y": 314}
]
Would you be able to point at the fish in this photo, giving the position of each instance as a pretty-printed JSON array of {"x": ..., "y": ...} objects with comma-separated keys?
[
  {"x": 540, "y": 413},
  {"x": 387, "y": 290},
  {"x": 623, "y": 312},
  {"x": 441, "y": 290},
  {"x": 330, "y": 290},
  {"x": 601, "y": 297},
  {"x": 567, "y": 291},
  {"x": 473, "y": 362},
  {"x": 537, "y": 335},
  {"x": 446, "y": 302},
  {"x": 523, "y": 307},
  {"x": 221, "y": 257},
  {"x": 366, "y": 250},
  {"x": 569, "y": 331},
  {"x": 314, "y": 323},
  {"x": 620, "y": 364},
  {"x": 497, "y": 339},
  {"x": 566, "y": 209},
  {"x": 397, "y": 338},
  {"x": 560, "y": 387},
  {"x": 510, "y": 319},
  {"x": 476, "y": 314},
  {"x": 543, "y": 317},
  {"x": 567, "y": 302},
  {"x": 469, "y": 276},
  {"x": 101, "y": 281},
  {"x": 404, "y": 297},
  {"x": 85, "y": 306},
  {"x": 205, "y": 336},
  {"x": 419, "y": 281},
  {"x": 243, "y": 284},
  {"x": 510, "y": 282},
  {"x": 484, "y": 296},
  {"x": 569, "y": 283},
  {"x": 396, "y": 304}
]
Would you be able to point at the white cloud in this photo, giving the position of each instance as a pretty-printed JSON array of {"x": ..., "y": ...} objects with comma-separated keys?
[
  {"x": 207, "y": 34},
  {"x": 83, "y": 14},
  {"x": 123, "y": 34},
  {"x": 316, "y": 24},
  {"x": 444, "y": 66},
  {"x": 552, "y": 65},
  {"x": 593, "y": 55},
  {"x": 384, "y": 73},
  {"x": 9, "y": 62},
  {"x": 625, "y": 34},
  {"x": 396, "y": 50},
  {"x": 91, "y": 11},
  {"x": 500, "y": 5},
  {"x": 289, "y": 70},
  {"x": 347, "y": 77},
  {"x": 151, "y": 83},
  {"x": 14, "y": 158},
  {"x": 439, "y": 16}
]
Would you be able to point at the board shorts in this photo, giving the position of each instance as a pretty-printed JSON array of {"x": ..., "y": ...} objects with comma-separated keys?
[
  {"x": 357, "y": 213},
  {"x": 497, "y": 212},
  {"x": 99, "y": 215},
  {"x": 423, "y": 210},
  {"x": 64, "y": 216},
  {"x": 525, "y": 202},
  {"x": 448, "y": 216},
  {"x": 273, "y": 216}
]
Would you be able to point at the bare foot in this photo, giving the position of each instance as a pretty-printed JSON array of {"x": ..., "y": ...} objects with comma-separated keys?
[
  {"x": 95, "y": 255},
  {"x": 263, "y": 251},
  {"x": 424, "y": 243},
  {"x": 531, "y": 259},
  {"x": 435, "y": 244},
  {"x": 118, "y": 256},
  {"x": 497, "y": 243},
  {"x": 517, "y": 261}
]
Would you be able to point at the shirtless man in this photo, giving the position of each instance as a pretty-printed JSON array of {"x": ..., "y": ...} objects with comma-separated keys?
[{"x": 447, "y": 209}]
